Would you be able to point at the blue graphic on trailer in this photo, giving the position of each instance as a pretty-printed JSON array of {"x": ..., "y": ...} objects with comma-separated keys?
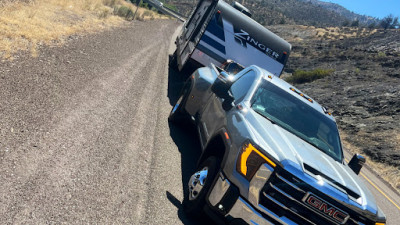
[{"x": 212, "y": 42}]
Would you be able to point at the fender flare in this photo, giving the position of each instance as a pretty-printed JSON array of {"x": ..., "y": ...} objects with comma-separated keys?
[{"x": 223, "y": 136}]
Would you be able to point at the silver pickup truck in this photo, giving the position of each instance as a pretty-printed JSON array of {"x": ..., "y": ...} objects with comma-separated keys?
[{"x": 271, "y": 154}]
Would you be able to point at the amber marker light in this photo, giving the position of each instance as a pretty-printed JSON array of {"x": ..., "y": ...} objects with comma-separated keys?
[
  {"x": 250, "y": 159},
  {"x": 226, "y": 135}
]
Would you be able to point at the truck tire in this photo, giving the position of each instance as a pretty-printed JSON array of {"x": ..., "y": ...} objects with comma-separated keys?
[
  {"x": 178, "y": 112},
  {"x": 199, "y": 185},
  {"x": 173, "y": 61}
]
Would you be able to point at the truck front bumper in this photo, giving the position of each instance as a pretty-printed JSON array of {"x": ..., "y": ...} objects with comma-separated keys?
[
  {"x": 225, "y": 200},
  {"x": 266, "y": 203},
  {"x": 243, "y": 211}
]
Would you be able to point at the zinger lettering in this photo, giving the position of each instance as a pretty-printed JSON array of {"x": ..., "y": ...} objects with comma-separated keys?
[{"x": 242, "y": 37}]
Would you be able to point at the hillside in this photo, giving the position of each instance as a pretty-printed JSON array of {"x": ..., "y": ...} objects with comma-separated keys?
[
  {"x": 349, "y": 15},
  {"x": 270, "y": 12},
  {"x": 363, "y": 93}
]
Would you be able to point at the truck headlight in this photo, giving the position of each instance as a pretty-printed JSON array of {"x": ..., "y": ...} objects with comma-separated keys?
[{"x": 250, "y": 159}]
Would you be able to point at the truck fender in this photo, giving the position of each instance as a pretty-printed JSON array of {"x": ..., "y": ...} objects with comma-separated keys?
[{"x": 220, "y": 140}]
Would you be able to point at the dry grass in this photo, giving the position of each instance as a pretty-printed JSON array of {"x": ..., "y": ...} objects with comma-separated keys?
[
  {"x": 334, "y": 33},
  {"x": 25, "y": 24},
  {"x": 389, "y": 173},
  {"x": 298, "y": 33}
]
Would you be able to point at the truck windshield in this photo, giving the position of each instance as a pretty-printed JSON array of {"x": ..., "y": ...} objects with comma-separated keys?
[{"x": 298, "y": 118}]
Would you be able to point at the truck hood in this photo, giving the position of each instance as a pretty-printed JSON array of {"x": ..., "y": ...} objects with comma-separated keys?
[{"x": 310, "y": 164}]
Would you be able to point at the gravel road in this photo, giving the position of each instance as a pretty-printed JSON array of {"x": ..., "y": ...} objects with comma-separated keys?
[{"x": 84, "y": 136}]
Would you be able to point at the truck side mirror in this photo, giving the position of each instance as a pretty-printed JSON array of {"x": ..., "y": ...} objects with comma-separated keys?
[
  {"x": 356, "y": 163},
  {"x": 221, "y": 88},
  {"x": 222, "y": 85},
  {"x": 232, "y": 67}
]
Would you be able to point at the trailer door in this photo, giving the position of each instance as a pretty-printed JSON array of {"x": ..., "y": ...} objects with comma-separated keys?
[{"x": 193, "y": 28}]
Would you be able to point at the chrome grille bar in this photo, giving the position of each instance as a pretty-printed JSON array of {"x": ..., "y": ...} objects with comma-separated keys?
[
  {"x": 286, "y": 208},
  {"x": 290, "y": 183}
]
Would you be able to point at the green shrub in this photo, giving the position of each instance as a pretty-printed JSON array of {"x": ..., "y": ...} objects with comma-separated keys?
[
  {"x": 147, "y": 14},
  {"x": 104, "y": 12},
  {"x": 144, "y": 5},
  {"x": 169, "y": 6},
  {"x": 302, "y": 76},
  {"x": 124, "y": 12},
  {"x": 355, "y": 23},
  {"x": 381, "y": 55},
  {"x": 110, "y": 3}
]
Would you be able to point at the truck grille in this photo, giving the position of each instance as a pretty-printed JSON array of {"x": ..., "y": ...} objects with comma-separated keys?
[{"x": 283, "y": 194}]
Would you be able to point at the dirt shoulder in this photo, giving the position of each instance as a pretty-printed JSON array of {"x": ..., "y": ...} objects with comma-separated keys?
[{"x": 78, "y": 128}]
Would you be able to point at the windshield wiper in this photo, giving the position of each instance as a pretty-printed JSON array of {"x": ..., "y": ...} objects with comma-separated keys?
[{"x": 266, "y": 117}]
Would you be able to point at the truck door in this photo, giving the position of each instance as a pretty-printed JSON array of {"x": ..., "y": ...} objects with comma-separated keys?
[{"x": 214, "y": 116}]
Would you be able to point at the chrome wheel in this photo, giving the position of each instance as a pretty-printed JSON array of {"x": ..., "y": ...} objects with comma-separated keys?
[
  {"x": 199, "y": 185},
  {"x": 197, "y": 182},
  {"x": 176, "y": 113}
]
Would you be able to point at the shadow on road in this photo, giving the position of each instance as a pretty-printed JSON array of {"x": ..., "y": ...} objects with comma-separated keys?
[
  {"x": 185, "y": 138},
  {"x": 176, "y": 80}
]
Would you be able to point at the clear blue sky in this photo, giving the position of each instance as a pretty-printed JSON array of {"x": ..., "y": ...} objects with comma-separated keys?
[{"x": 375, "y": 8}]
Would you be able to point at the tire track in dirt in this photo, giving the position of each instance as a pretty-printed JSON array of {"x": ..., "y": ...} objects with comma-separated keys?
[
  {"x": 92, "y": 164},
  {"x": 91, "y": 107}
]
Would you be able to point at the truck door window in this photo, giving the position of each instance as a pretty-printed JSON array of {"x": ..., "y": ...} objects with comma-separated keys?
[{"x": 241, "y": 87}]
